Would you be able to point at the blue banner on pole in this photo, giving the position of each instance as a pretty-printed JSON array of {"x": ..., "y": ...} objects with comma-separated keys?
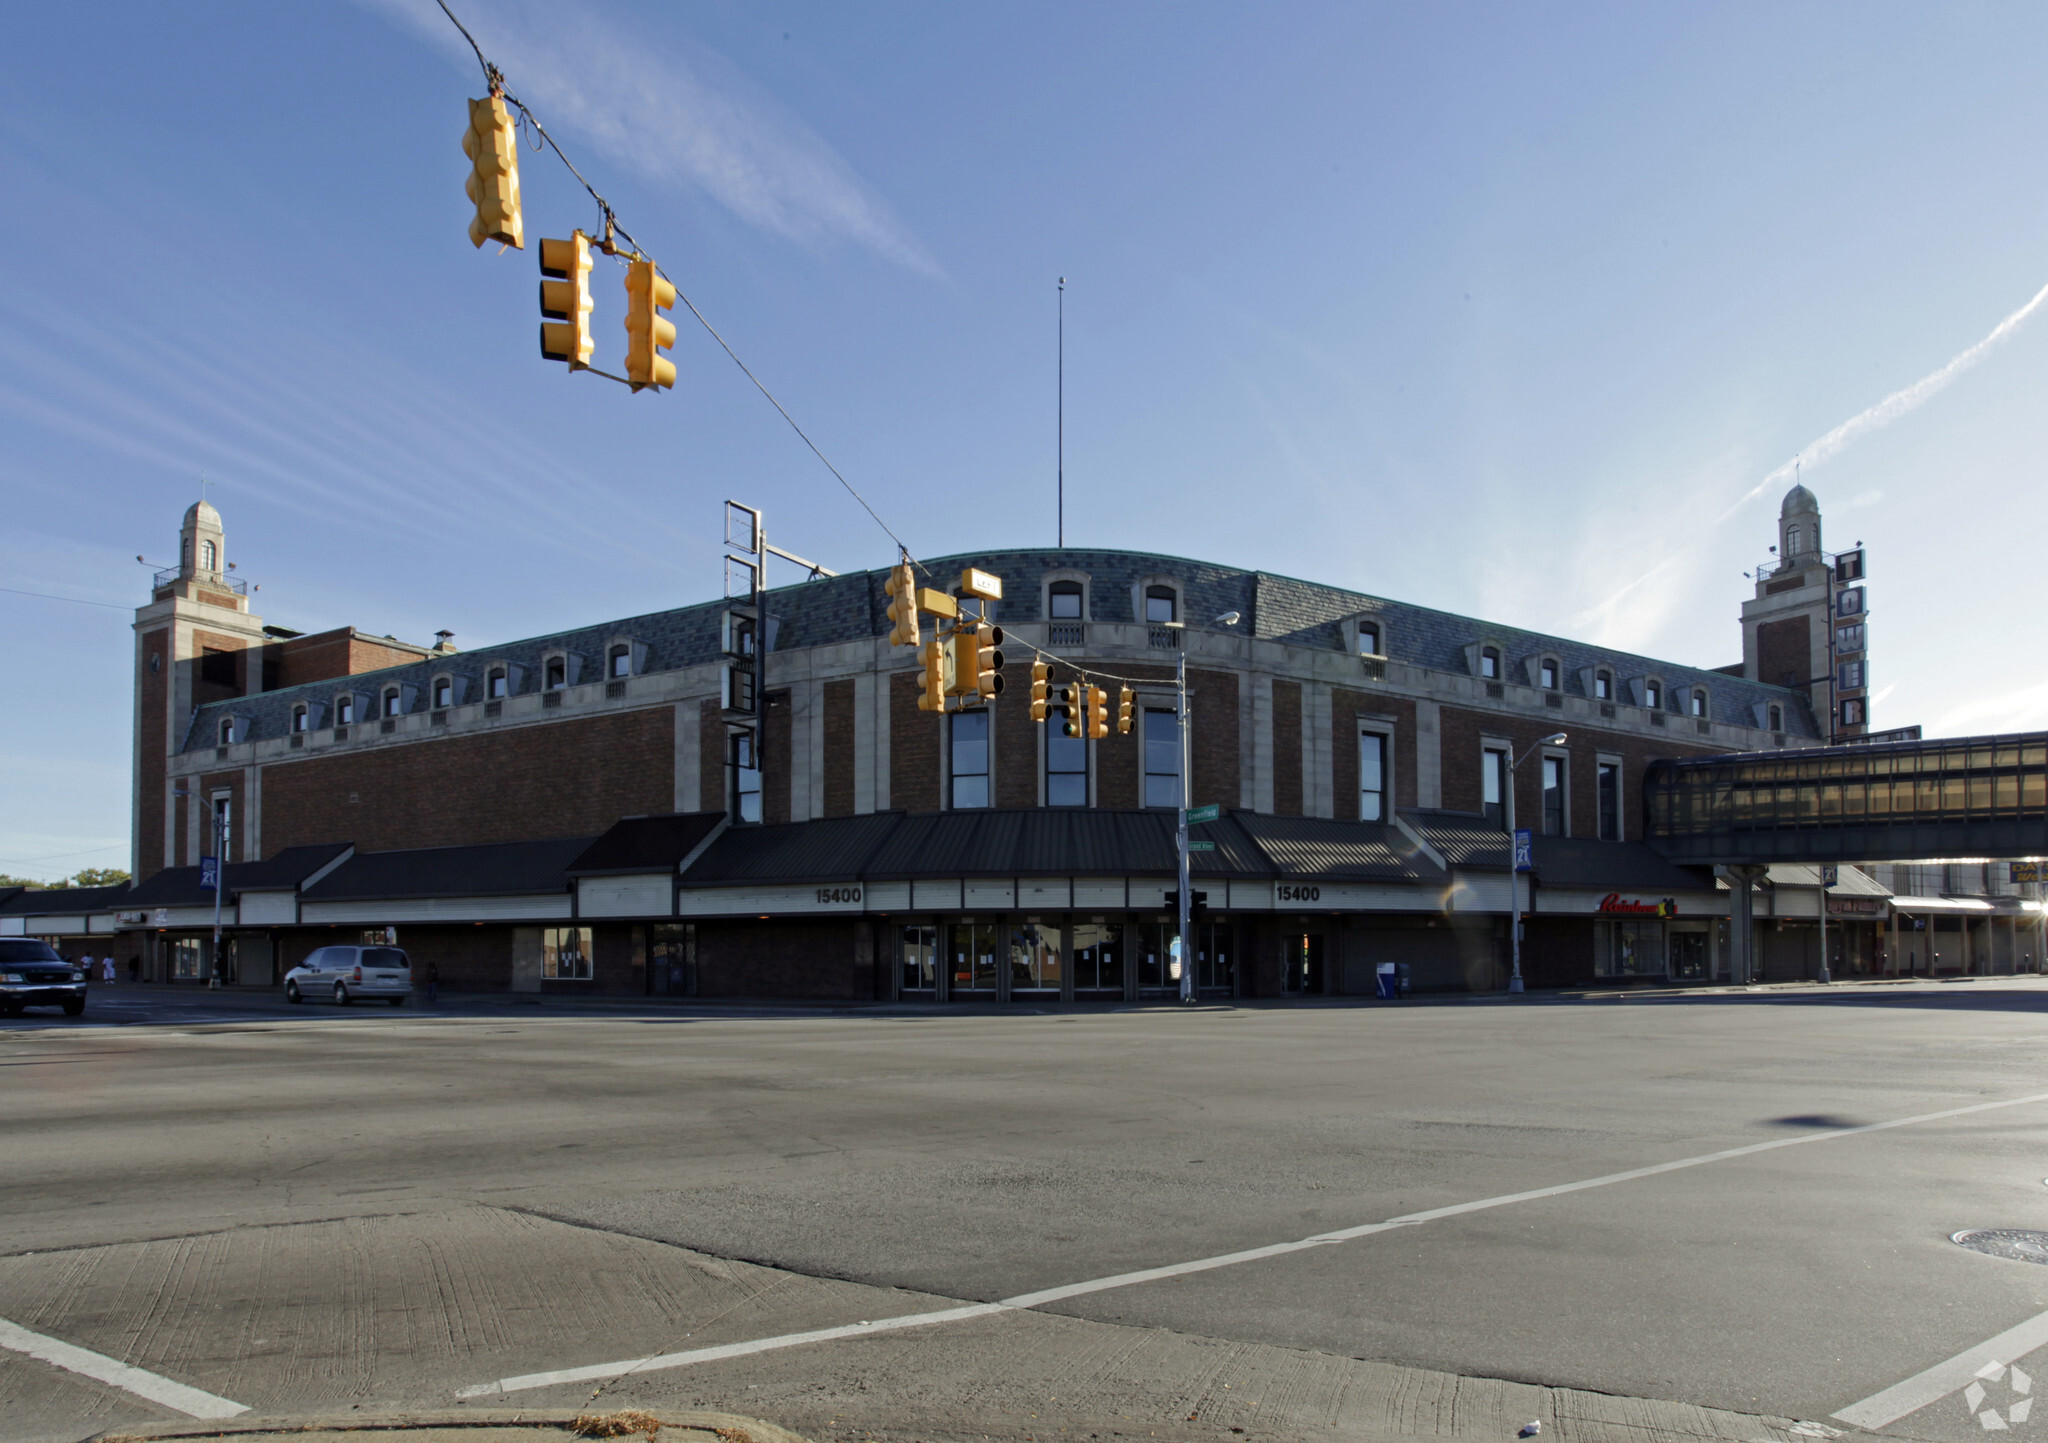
[
  {"x": 209, "y": 873},
  {"x": 1524, "y": 850}
]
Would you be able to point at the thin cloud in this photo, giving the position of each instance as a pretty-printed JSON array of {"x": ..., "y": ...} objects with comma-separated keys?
[
  {"x": 1897, "y": 404},
  {"x": 688, "y": 115}
]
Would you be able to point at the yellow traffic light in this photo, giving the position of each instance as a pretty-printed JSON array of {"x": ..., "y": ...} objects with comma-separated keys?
[
  {"x": 1098, "y": 713},
  {"x": 1039, "y": 689},
  {"x": 933, "y": 697},
  {"x": 648, "y": 332},
  {"x": 492, "y": 145},
  {"x": 902, "y": 589},
  {"x": 963, "y": 664},
  {"x": 565, "y": 300},
  {"x": 1072, "y": 723},
  {"x": 1124, "y": 699},
  {"x": 988, "y": 662}
]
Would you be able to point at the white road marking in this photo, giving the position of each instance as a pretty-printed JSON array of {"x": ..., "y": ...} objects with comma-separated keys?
[
  {"x": 1986, "y": 1360},
  {"x": 192, "y": 1402},
  {"x": 1220, "y": 1260}
]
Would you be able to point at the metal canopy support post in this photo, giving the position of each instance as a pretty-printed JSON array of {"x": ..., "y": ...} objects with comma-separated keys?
[
  {"x": 220, "y": 884},
  {"x": 1742, "y": 879}
]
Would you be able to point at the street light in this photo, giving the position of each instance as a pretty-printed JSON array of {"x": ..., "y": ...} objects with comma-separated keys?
[
  {"x": 1187, "y": 900},
  {"x": 1555, "y": 739}
]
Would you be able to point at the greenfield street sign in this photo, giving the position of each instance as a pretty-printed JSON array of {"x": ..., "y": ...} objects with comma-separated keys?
[
  {"x": 1198, "y": 815},
  {"x": 1201, "y": 846}
]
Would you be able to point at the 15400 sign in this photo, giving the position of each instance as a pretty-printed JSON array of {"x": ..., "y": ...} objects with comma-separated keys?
[
  {"x": 827, "y": 896},
  {"x": 1288, "y": 893}
]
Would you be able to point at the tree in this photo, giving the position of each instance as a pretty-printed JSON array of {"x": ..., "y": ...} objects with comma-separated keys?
[
  {"x": 100, "y": 877},
  {"x": 29, "y": 882}
]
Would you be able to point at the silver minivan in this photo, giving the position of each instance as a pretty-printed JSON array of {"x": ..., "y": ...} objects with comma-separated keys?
[{"x": 346, "y": 973}]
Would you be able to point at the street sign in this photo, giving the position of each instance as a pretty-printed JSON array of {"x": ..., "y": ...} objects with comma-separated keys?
[
  {"x": 1197, "y": 846},
  {"x": 1524, "y": 849},
  {"x": 1199, "y": 815},
  {"x": 1830, "y": 876},
  {"x": 2025, "y": 871},
  {"x": 209, "y": 873}
]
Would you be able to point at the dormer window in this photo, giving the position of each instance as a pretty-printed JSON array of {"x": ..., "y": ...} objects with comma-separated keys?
[
  {"x": 444, "y": 692},
  {"x": 1162, "y": 605},
  {"x": 1489, "y": 663},
  {"x": 301, "y": 718},
  {"x": 496, "y": 683},
  {"x": 1653, "y": 694},
  {"x": 621, "y": 660},
  {"x": 557, "y": 674},
  {"x": 391, "y": 701},
  {"x": 227, "y": 731},
  {"x": 1369, "y": 639},
  {"x": 1546, "y": 674},
  {"x": 1063, "y": 601},
  {"x": 1603, "y": 685},
  {"x": 1777, "y": 719},
  {"x": 1699, "y": 703},
  {"x": 344, "y": 709}
]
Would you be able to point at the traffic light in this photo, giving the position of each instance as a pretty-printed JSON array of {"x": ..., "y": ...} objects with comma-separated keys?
[
  {"x": 964, "y": 663},
  {"x": 648, "y": 332},
  {"x": 1039, "y": 689},
  {"x": 492, "y": 145},
  {"x": 902, "y": 589},
  {"x": 1098, "y": 713},
  {"x": 1072, "y": 723},
  {"x": 933, "y": 698},
  {"x": 1123, "y": 709},
  {"x": 988, "y": 662},
  {"x": 565, "y": 300}
]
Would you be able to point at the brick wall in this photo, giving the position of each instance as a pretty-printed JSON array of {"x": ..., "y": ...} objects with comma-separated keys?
[
  {"x": 913, "y": 746},
  {"x": 1784, "y": 651},
  {"x": 1345, "y": 709},
  {"x": 329, "y": 654},
  {"x": 204, "y": 691},
  {"x": 775, "y": 759},
  {"x": 1287, "y": 748},
  {"x": 823, "y": 959},
  {"x": 1462, "y": 731},
  {"x": 150, "y": 754},
  {"x": 1213, "y": 747},
  {"x": 838, "y": 723},
  {"x": 711, "y": 780},
  {"x": 557, "y": 779},
  {"x": 1016, "y": 742}
]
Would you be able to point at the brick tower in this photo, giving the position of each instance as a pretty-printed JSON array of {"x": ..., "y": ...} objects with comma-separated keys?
[{"x": 1807, "y": 628}]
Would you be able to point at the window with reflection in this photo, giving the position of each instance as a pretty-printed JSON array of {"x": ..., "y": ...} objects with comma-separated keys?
[
  {"x": 746, "y": 774},
  {"x": 444, "y": 692},
  {"x": 1098, "y": 951},
  {"x": 1608, "y": 784},
  {"x": 1699, "y": 703},
  {"x": 1369, "y": 639},
  {"x": 301, "y": 718},
  {"x": 971, "y": 956},
  {"x": 1493, "y": 770},
  {"x": 917, "y": 952},
  {"x": 1489, "y": 663},
  {"x": 344, "y": 709},
  {"x": 1063, "y": 601},
  {"x": 1162, "y": 759},
  {"x": 1035, "y": 960},
  {"x": 970, "y": 759},
  {"x": 1372, "y": 777},
  {"x": 622, "y": 660},
  {"x": 1547, "y": 675},
  {"x": 1603, "y": 685},
  {"x": 565, "y": 954},
  {"x": 1066, "y": 769},
  {"x": 391, "y": 701},
  {"x": 556, "y": 675},
  {"x": 1553, "y": 797},
  {"x": 497, "y": 683},
  {"x": 1162, "y": 604},
  {"x": 1653, "y": 694}
]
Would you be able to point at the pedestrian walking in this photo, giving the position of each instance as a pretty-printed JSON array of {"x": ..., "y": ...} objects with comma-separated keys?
[{"x": 107, "y": 970}]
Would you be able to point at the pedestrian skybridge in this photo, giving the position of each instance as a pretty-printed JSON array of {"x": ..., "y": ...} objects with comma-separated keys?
[{"x": 1888, "y": 801}]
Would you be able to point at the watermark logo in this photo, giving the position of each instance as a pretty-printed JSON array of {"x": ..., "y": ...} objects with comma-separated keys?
[{"x": 2007, "y": 1389}]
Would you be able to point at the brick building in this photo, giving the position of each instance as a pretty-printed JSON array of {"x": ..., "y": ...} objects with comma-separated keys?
[{"x": 571, "y": 812}]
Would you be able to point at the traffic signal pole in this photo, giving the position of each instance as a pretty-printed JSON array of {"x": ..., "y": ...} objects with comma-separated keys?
[{"x": 1187, "y": 946}]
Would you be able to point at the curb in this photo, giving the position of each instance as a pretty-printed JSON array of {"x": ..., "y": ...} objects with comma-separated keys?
[{"x": 719, "y": 1427}]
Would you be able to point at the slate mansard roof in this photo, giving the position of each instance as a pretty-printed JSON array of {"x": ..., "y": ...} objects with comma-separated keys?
[{"x": 853, "y": 608}]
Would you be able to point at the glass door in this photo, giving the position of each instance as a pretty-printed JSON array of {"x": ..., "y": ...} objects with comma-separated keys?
[
  {"x": 1215, "y": 957},
  {"x": 917, "y": 961},
  {"x": 1035, "y": 960},
  {"x": 1098, "y": 954},
  {"x": 1689, "y": 956},
  {"x": 971, "y": 960}
]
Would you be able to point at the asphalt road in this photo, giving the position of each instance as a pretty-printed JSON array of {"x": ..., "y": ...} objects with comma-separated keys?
[{"x": 323, "y": 1211}]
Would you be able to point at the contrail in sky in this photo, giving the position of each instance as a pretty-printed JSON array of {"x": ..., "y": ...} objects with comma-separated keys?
[{"x": 1897, "y": 404}]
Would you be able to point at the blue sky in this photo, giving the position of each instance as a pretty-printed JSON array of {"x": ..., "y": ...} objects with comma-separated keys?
[{"x": 1509, "y": 310}]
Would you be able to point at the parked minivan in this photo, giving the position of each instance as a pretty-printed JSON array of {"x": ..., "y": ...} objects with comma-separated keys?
[{"x": 346, "y": 973}]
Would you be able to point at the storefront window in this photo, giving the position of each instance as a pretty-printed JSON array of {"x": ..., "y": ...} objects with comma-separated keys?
[
  {"x": 565, "y": 953},
  {"x": 971, "y": 956},
  {"x": 672, "y": 960},
  {"x": 1099, "y": 957},
  {"x": 1154, "y": 946},
  {"x": 188, "y": 958},
  {"x": 917, "y": 955},
  {"x": 1034, "y": 958},
  {"x": 1215, "y": 956},
  {"x": 1628, "y": 948},
  {"x": 1689, "y": 955}
]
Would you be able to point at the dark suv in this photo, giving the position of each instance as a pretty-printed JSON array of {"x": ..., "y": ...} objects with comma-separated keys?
[{"x": 33, "y": 975}]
